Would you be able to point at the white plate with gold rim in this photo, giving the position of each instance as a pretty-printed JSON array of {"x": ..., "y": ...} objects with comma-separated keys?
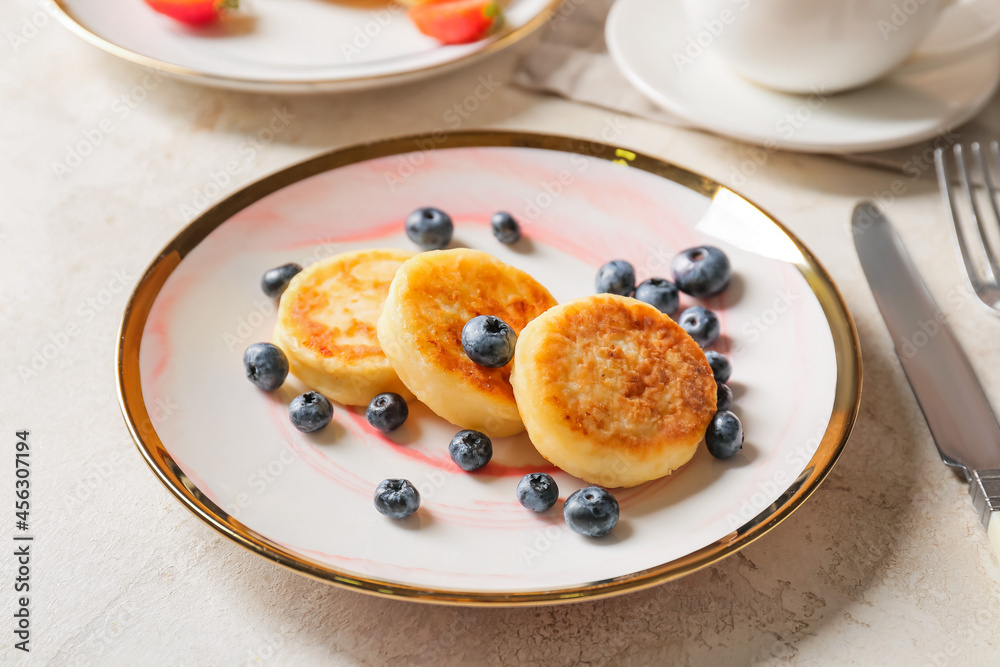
[
  {"x": 290, "y": 46},
  {"x": 228, "y": 453}
]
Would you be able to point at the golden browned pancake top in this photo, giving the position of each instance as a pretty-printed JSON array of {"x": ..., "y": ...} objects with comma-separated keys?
[
  {"x": 446, "y": 291},
  {"x": 333, "y": 309},
  {"x": 624, "y": 375}
]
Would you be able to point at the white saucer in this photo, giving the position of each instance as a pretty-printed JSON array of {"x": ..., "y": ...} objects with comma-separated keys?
[
  {"x": 290, "y": 46},
  {"x": 644, "y": 36}
]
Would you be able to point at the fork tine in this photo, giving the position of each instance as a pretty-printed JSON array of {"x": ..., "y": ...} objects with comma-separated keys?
[
  {"x": 944, "y": 180},
  {"x": 992, "y": 191},
  {"x": 963, "y": 177},
  {"x": 995, "y": 150}
]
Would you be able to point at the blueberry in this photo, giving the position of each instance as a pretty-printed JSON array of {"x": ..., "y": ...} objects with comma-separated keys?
[
  {"x": 659, "y": 293},
  {"x": 429, "y": 228},
  {"x": 265, "y": 365},
  {"x": 505, "y": 228},
  {"x": 702, "y": 271},
  {"x": 396, "y": 498},
  {"x": 591, "y": 511},
  {"x": 276, "y": 280},
  {"x": 537, "y": 491},
  {"x": 310, "y": 411},
  {"x": 489, "y": 341},
  {"x": 723, "y": 397},
  {"x": 722, "y": 368},
  {"x": 471, "y": 450},
  {"x": 387, "y": 412},
  {"x": 701, "y": 324},
  {"x": 616, "y": 277},
  {"x": 724, "y": 436}
]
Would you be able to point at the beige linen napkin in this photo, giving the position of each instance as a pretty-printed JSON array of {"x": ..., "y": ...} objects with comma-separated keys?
[{"x": 571, "y": 60}]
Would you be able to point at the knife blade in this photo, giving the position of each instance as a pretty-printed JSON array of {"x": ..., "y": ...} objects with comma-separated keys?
[{"x": 958, "y": 414}]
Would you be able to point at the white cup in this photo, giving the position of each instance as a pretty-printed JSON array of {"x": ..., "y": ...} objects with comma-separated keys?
[{"x": 802, "y": 46}]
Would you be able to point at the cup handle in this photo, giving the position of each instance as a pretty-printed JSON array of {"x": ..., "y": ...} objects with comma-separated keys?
[{"x": 964, "y": 28}]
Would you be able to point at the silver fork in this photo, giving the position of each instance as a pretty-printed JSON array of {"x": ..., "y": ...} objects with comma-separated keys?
[{"x": 985, "y": 280}]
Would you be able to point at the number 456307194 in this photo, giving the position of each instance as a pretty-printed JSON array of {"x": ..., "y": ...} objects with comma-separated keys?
[{"x": 22, "y": 486}]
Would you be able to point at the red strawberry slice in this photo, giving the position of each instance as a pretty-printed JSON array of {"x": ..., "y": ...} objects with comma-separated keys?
[
  {"x": 457, "y": 21},
  {"x": 193, "y": 12}
]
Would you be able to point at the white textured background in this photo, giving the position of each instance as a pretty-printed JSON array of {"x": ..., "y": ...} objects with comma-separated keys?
[{"x": 885, "y": 564}]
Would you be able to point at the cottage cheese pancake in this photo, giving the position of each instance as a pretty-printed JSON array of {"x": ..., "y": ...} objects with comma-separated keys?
[
  {"x": 611, "y": 390},
  {"x": 431, "y": 298},
  {"x": 326, "y": 325}
]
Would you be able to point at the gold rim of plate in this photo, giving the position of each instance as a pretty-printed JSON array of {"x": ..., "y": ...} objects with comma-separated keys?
[
  {"x": 507, "y": 38},
  {"x": 845, "y": 407}
]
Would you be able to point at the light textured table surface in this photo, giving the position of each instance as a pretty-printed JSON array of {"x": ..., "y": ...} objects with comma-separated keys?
[{"x": 886, "y": 564}]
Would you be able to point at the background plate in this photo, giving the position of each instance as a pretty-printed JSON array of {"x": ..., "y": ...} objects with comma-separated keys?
[
  {"x": 651, "y": 43},
  {"x": 289, "y": 45},
  {"x": 227, "y": 451}
]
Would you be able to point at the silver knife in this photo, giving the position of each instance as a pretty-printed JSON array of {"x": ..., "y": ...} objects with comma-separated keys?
[{"x": 957, "y": 411}]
